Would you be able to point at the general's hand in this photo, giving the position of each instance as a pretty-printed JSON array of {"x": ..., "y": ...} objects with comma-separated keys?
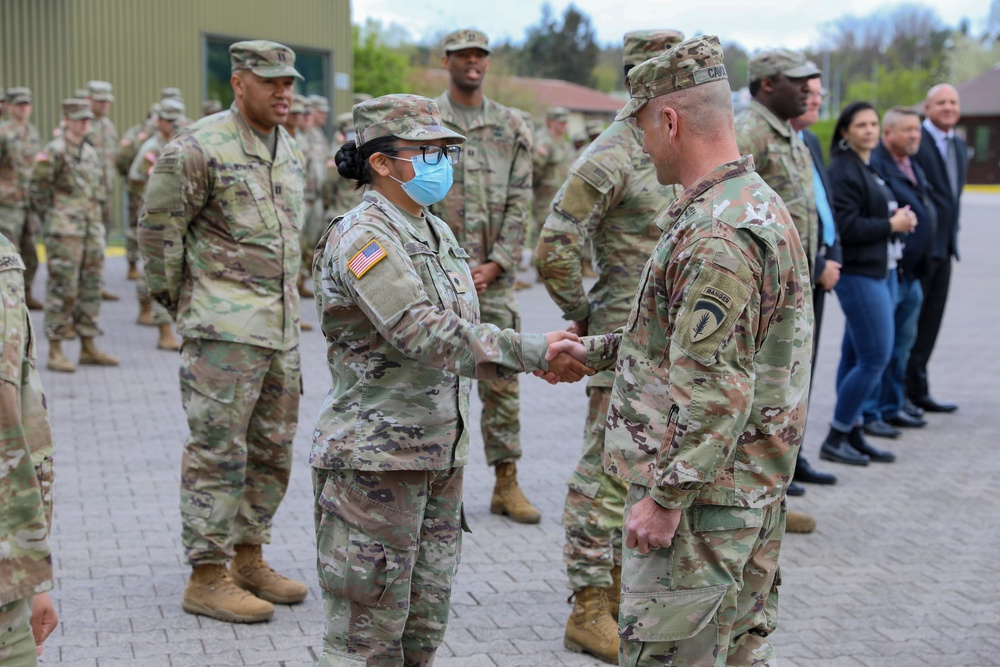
[
  {"x": 650, "y": 526},
  {"x": 831, "y": 274},
  {"x": 484, "y": 274},
  {"x": 567, "y": 358},
  {"x": 43, "y": 619},
  {"x": 579, "y": 327}
]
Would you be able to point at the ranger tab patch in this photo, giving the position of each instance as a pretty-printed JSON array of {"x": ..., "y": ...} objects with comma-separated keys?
[{"x": 366, "y": 258}]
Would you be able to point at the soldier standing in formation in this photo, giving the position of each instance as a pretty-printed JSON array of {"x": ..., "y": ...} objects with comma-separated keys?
[
  {"x": 67, "y": 191},
  {"x": 25, "y": 478},
  {"x": 709, "y": 402},
  {"x": 338, "y": 193},
  {"x": 612, "y": 197},
  {"x": 398, "y": 307},
  {"x": 19, "y": 143},
  {"x": 209, "y": 107},
  {"x": 104, "y": 138},
  {"x": 128, "y": 147},
  {"x": 550, "y": 166},
  {"x": 488, "y": 210},
  {"x": 232, "y": 186},
  {"x": 169, "y": 118}
]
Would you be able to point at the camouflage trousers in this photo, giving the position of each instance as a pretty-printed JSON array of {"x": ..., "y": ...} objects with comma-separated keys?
[
  {"x": 501, "y": 423},
  {"x": 132, "y": 228},
  {"x": 388, "y": 546},
  {"x": 595, "y": 503},
  {"x": 710, "y": 599},
  {"x": 242, "y": 406},
  {"x": 17, "y": 644},
  {"x": 73, "y": 291},
  {"x": 313, "y": 228},
  {"x": 20, "y": 228}
]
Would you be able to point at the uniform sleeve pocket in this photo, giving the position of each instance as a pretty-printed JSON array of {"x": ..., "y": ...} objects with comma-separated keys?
[{"x": 669, "y": 616}]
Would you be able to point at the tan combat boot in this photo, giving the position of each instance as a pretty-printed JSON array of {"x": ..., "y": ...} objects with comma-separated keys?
[
  {"x": 133, "y": 271},
  {"x": 91, "y": 356},
  {"x": 108, "y": 296},
  {"x": 799, "y": 522},
  {"x": 615, "y": 592},
  {"x": 587, "y": 269},
  {"x": 304, "y": 290},
  {"x": 167, "y": 340},
  {"x": 252, "y": 573},
  {"x": 57, "y": 360},
  {"x": 211, "y": 592},
  {"x": 590, "y": 628},
  {"x": 508, "y": 498},
  {"x": 145, "y": 313},
  {"x": 305, "y": 326}
]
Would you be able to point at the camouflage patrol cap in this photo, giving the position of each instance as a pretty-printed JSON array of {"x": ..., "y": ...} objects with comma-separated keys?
[
  {"x": 641, "y": 45},
  {"x": 793, "y": 64},
  {"x": 171, "y": 109},
  {"x": 558, "y": 114},
  {"x": 466, "y": 39},
  {"x": 174, "y": 93},
  {"x": 594, "y": 128},
  {"x": 265, "y": 59},
  {"x": 299, "y": 105},
  {"x": 100, "y": 91},
  {"x": 81, "y": 93},
  {"x": 345, "y": 120},
  {"x": 410, "y": 117},
  {"x": 76, "y": 109},
  {"x": 319, "y": 103},
  {"x": 208, "y": 107},
  {"x": 19, "y": 95},
  {"x": 691, "y": 63}
]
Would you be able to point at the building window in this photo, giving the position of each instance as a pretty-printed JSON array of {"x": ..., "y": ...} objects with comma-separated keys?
[
  {"x": 312, "y": 64},
  {"x": 981, "y": 144}
]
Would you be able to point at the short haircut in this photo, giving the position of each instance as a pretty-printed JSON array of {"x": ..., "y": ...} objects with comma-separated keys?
[{"x": 896, "y": 114}]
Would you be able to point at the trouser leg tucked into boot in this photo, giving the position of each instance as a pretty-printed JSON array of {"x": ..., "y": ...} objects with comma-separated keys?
[
  {"x": 212, "y": 592},
  {"x": 590, "y": 628},
  {"x": 252, "y": 573},
  {"x": 508, "y": 499}
]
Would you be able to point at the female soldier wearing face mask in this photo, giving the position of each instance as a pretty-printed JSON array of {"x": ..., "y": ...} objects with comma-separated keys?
[{"x": 400, "y": 314}]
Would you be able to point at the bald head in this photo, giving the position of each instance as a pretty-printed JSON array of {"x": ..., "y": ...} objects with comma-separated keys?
[{"x": 942, "y": 107}]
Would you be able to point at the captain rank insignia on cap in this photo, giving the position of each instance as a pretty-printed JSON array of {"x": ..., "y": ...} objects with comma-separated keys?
[{"x": 366, "y": 258}]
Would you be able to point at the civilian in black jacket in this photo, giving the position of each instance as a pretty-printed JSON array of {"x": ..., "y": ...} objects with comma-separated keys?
[
  {"x": 943, "y": 157},
  {"x": 826, "y": 268},
  {"x": 906, "y": 180},
  {"x": 866, "y": 287}
]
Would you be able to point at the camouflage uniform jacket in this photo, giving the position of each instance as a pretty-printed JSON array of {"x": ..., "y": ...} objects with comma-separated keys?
[
  {"x": 612, "y": 197},
  {"x": 339, "y": 194},
  {"x": 18, "y": 147},
  {"x": 104, "y": 138},
  {"x": 489, "y": 204},
  {"x": 25, "y": 446},
  {"x": 403, "y": 341},
  {"x": 550, "y": 166},
  {"x": 784, "y": 162},
  {"x": 712, "y": 372},
  {"x": 219, "y": 233},
  {"x": 142, "y": 164},
  {"x": 66, "y": 188},
  {"x": 130, "y": 143}
]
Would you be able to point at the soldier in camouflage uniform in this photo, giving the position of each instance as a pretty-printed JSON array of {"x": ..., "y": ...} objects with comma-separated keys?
[
  {"x": 298, "y": 126},
  {"x": 25, "y": 478},
  {"x": 230, "y": 186},
  {"x": 398, "y": 307},
  {"x": 550, "y": 166},
  {"x": 612, "y": 197},
  {"x": 19, "y": 143},
  {"x": 712, "y": 372},
  {"x": 128, "y": 147},
  {"x": 488, "y": 210},
  {"x": 66, "y": 193},
  {"x": 169, "y": 118},
  {"x": 320, "y": 152},
  {"x": 209, "y": 107},
  {"x": 103, "y": 136},
  {"x": 338, "y": 193}
]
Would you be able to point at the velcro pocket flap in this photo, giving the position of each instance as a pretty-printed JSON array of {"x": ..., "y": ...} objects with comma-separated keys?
[
  {"x": 388, "y": 525},
  {"x": 669, "y": 616}
]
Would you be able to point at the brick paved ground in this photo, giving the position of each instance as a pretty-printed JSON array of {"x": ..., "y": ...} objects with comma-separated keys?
[{"x": 903, "y": 569}]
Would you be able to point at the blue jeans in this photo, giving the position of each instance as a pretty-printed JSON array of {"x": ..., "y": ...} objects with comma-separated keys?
[
  {"x": 887, "y": 400},
  {"x": 869, "y": 308}
]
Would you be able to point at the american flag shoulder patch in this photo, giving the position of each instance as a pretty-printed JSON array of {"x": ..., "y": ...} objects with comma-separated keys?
[{"x": 366, "y": 258}]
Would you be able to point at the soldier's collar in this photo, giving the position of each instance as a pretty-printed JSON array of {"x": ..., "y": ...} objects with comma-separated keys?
[
  {"x": 721, "y": 173},
  {"x": 784, "y": 128}
]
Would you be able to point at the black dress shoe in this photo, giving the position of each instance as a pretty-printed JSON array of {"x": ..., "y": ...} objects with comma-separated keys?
[
  {"x": 912, "y": 410},
  {"x": 928, "y": 404},
  {"x": 879, "y": 429},
  {"x": 858, "y": 442},
  {"x": 836, "y": 448},
  {"x": 795, "y": 489},
  {"x": 806, "y": 474},
  {"x": 903, "y": 420}
]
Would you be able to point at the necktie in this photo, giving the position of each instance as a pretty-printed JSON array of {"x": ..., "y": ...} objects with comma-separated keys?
[
  {"x": 824, "y": 210},
  {"x": 951, "y": 164}
]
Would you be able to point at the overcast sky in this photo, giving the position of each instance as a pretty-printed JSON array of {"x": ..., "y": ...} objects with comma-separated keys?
[{"x": 791, "y": 23}]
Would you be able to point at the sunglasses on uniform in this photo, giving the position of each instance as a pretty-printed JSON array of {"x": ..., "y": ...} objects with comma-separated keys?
[{"x": 432, "y": 154}]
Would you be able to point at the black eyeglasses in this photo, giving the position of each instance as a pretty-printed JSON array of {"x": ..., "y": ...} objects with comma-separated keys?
[{"x": 432, "y": 154}]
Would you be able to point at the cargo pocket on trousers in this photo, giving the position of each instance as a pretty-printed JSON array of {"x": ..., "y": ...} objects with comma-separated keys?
[
  {"x": 210, "y": 381},
  {"x": 366, "y": 549},
  {"x": 671, "y": 616}
]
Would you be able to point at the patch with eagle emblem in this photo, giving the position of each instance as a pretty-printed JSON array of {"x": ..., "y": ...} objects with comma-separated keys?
[{"x": 707, "y": 318}]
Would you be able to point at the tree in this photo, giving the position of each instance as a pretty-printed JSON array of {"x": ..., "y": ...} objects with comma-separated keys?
[
  {"x": 967, "y": 58},
  {"x": 378, "y": 68},
  {"x": 566, "y": 51}
]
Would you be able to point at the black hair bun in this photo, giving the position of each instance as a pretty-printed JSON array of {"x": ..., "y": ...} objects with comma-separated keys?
[{"x": 347, "y": 160}]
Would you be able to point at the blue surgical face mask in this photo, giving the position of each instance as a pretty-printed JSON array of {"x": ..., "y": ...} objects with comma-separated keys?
[{"x": 430, "y": 182}]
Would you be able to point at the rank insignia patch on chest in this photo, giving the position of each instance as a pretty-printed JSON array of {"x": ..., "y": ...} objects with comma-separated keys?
[
  {"x": 366, "y": 258},
  {"x": 709, "y": 313}
]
